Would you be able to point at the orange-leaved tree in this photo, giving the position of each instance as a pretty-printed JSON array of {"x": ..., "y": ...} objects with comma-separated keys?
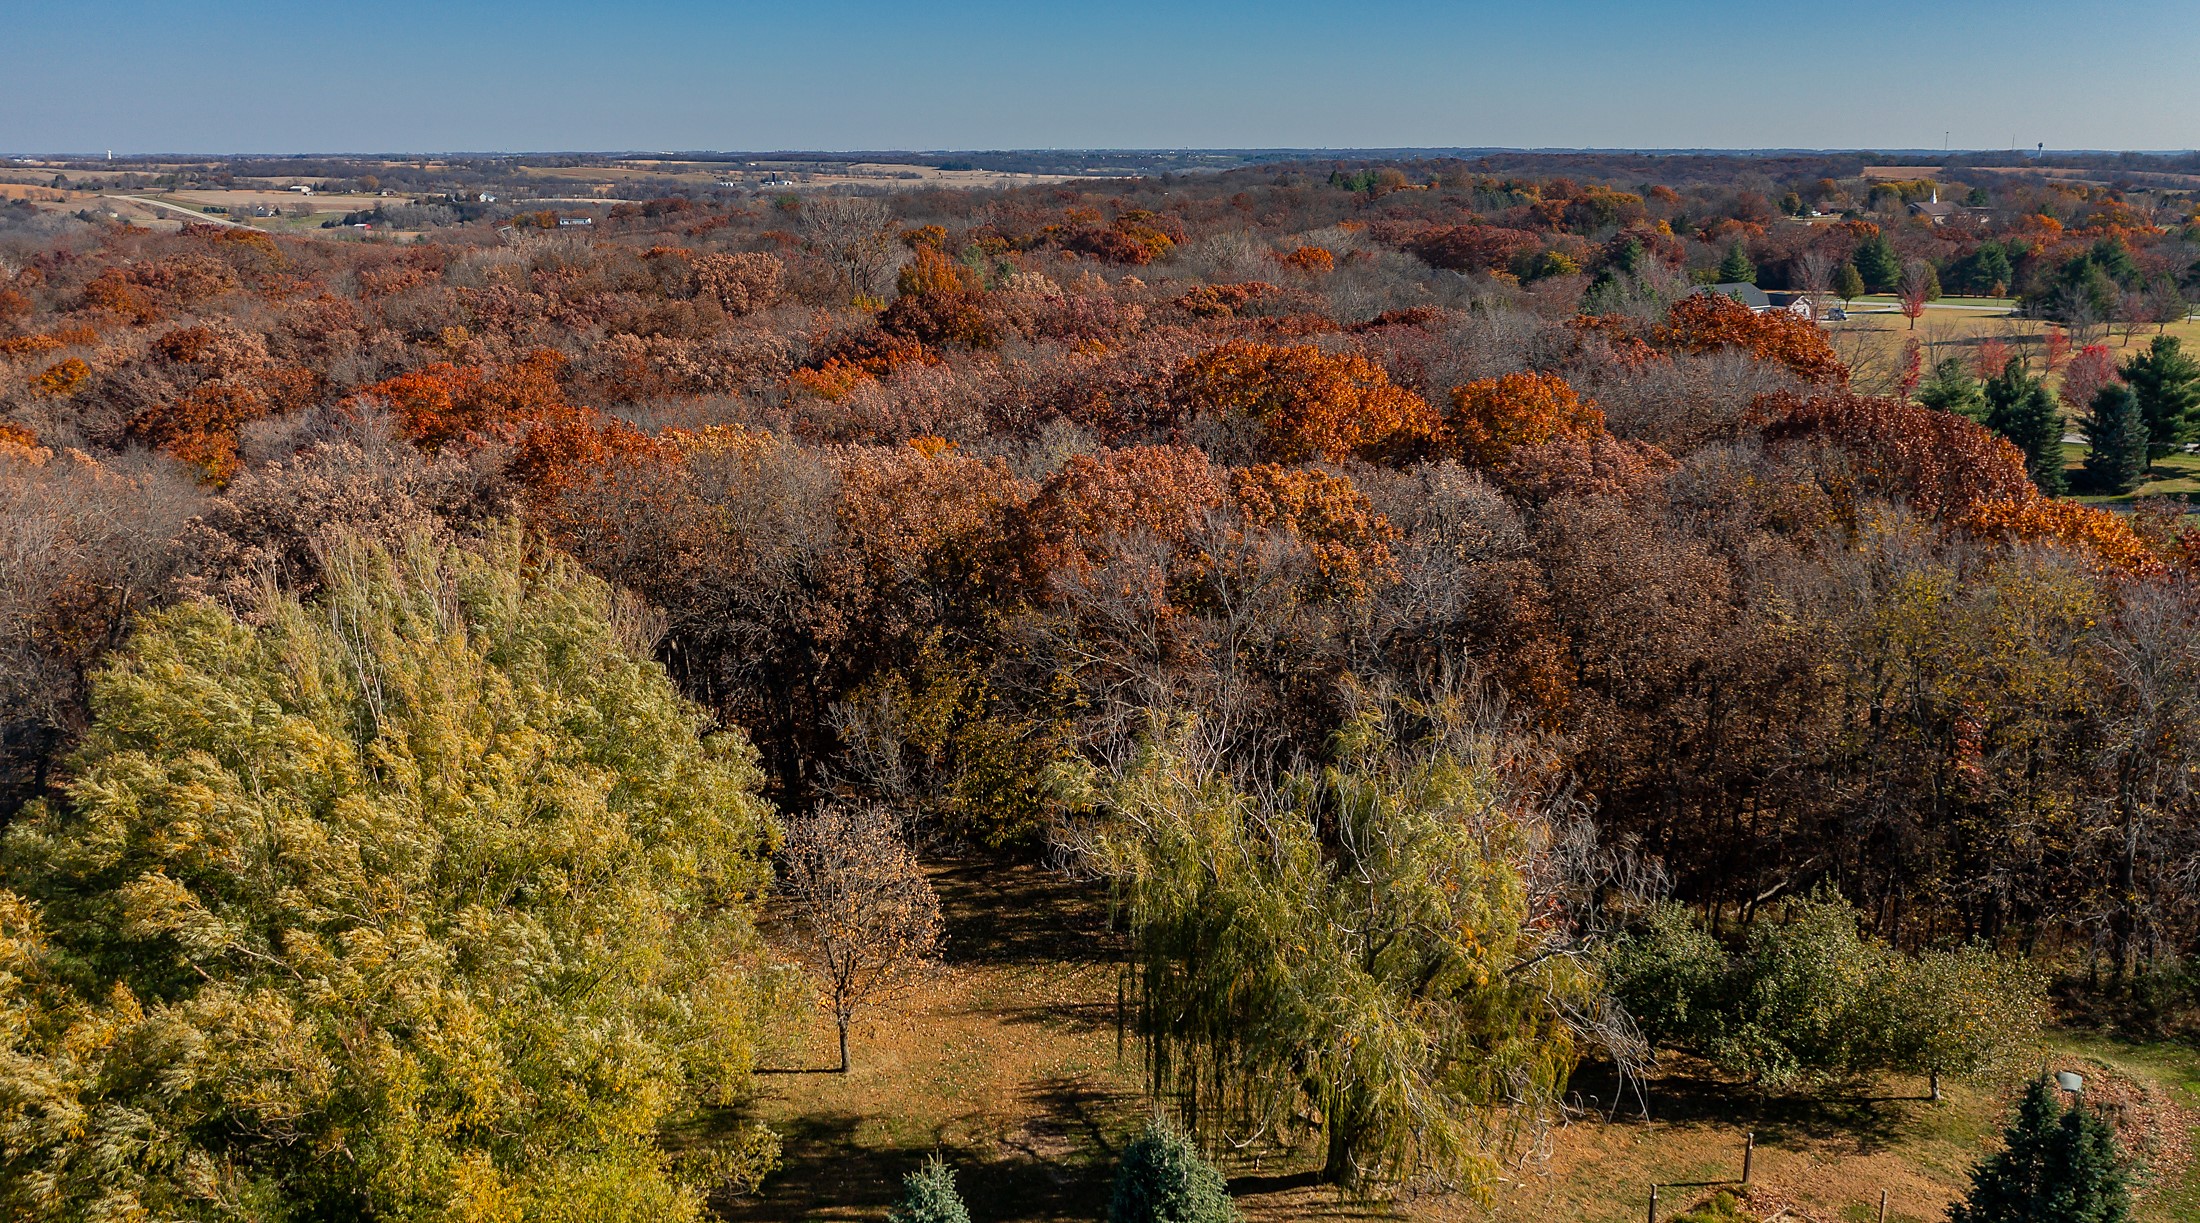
[
  {"x": 1539, "y": 440},
  {"x": 1097, "y": 503},
  {"x": 1349, "y": 541},
  {"x": 941, "y": 302},
  {"x": 1704, "y": 322},
  {"x": 442, "y": 402},
  {"x": 1941, "y": 464},
  {"x": 62, "y": 379},
  {"x": 2100, "y": 537},
  {"x": 1310, "y": 404},
  {"x": 1492, "y": 417}
]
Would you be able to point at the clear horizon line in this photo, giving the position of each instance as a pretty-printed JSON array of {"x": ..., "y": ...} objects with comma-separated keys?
[{"x": 1338, "y": 150}]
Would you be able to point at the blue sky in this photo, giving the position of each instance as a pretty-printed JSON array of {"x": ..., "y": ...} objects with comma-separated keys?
[{"x": 408, "y": 75}]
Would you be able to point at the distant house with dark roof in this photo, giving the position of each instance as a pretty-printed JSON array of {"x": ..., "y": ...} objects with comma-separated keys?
[
  {"x": 1747, "y": 294},
  {"x": 1759, "y": 301}
]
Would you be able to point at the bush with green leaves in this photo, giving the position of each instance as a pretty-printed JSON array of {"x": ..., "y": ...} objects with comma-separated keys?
[
  {"x": 1809, "y": 999},
  {"x": 431, "y": 899},
  {"x": 2056, "y": 1165},
  {"x": 1163, "y": 1178},
  {"x": 1670, "y": 974},
  {"x": 928, "y": 1196}
]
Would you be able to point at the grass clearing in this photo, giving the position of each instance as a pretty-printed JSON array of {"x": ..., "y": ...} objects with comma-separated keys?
[{"x": 1006, "y": 1064}]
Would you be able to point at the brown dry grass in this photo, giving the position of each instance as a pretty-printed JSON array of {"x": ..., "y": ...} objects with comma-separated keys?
[{"x": 1005, "y": 1062}]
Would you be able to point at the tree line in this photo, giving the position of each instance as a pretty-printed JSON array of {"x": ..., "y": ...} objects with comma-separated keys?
[{"x": 459, "y": 643}]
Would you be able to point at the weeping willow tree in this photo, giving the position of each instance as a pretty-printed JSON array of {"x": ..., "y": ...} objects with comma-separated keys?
[
  {"x": 1372, "y": 947},
  {"x": 428, "y": 900}
]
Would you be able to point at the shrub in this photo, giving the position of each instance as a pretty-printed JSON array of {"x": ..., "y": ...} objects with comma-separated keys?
[
  {"x": 1164, "y": 1179},
  {"x": 1812, "y": 999},
  {"x": 928, "y": 1196},
  {"x": 1670, "y": 976},
  {"x": 1723, "y": 1207}
]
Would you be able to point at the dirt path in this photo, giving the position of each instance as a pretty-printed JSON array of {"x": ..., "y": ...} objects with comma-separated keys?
[{"x": 203, "y": 218}]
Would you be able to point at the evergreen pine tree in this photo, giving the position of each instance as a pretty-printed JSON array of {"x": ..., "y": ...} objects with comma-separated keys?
[
  {"x": 1848, "y": 283},
  {"x": 1736, "y": 267},
  {"x": 1992, "y": 271},
  {"x": 2057, "y": 1166},
  {"x": 2114, "y": 259},
  {"x": 2116, "y": 431},
  {"x": 1618, "y": 286},
  {"x": 928, "y": 1196},
  {"x": 2022, "y": 409},
  {"x": 2167, "y": 384},
  {"x": 1164, "y": 1179},
  {"x": 2080, "y": 294},
  {"x": 1875, "y": 260},
  {"x": 1951, "y": 388}
]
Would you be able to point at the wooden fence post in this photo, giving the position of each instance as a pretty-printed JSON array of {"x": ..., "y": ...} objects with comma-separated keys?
[{"x": 1749, "y": 1154}]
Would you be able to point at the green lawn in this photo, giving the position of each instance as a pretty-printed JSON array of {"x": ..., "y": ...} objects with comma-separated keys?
[
  {"x": 1889, "y": 299},
  {"x": 2176, "y": 475}
]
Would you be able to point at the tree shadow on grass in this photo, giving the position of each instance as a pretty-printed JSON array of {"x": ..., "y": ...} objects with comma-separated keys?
[
  {"x": 1690, "y": 1093},
  {"x": 824, "y": 1174},
  {"x": 1005, "y": 912},
  {"x": 828, "y": 1174},
  {"x": 1256, "y": 1184},
  {"x": 1069, "y": 1016}
]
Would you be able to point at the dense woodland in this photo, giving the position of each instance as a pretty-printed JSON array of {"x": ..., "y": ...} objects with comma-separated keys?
[{"x": 1457, "y": 648}]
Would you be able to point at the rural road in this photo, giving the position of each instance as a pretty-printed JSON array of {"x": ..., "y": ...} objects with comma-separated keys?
[
  {"x": 1878, "y": 308},
  {"x": 206, "y": 218}
]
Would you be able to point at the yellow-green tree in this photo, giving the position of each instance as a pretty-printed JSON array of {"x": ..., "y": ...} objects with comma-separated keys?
[
  {"x": 428, "y": 900},
  {"x": 1371, "y": 947}
]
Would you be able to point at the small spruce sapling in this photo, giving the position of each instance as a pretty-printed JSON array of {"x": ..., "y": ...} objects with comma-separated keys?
[
  {"x": 928, "y": 1196},
  {"x": 1164, "y": 1179}
]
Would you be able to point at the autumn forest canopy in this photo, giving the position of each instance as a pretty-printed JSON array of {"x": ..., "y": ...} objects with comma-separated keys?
[{"x": 443, "y": 672}]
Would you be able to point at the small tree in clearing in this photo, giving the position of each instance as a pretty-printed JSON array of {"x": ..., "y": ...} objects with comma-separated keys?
[
  {"x": 867, "y": 913},
  {"x": 928, "y": 1196},
  {"x": 1917, "y": 288},
  {"x": 1848, "y": 283},
  {"x": 1812, "y": 274},
  {"x": 1163, "y": 1178}
]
